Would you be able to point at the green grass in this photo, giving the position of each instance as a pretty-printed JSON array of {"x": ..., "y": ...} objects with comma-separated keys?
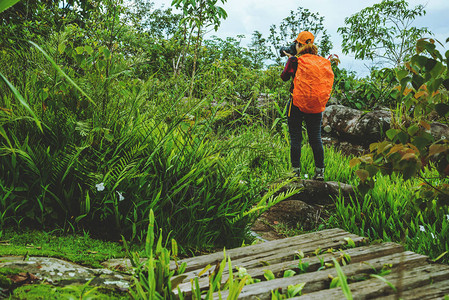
[
  {"x": 389, "y": 212},
  {"x": 49, "y": 292},
  {"x": 80, "y": 249}
]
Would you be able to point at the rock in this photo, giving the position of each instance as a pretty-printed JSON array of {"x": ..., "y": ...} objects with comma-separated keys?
[
  {"x": 439, "y": 130},
  {"x": 57, "y": 271},
  {"x": 303, "y": 209},
  {"x": 314, "y": 192},
  {"x": 346, "y": 148},
  {"x": 356, "y": 126},
  {"x": 340, "y": 119}
]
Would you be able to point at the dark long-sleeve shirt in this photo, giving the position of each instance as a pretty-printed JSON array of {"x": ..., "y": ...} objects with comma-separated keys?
[{"x": 290, "y": 70}]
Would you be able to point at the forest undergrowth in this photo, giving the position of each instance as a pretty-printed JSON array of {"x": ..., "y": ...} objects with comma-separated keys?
[{"x": 110, "y": 113}]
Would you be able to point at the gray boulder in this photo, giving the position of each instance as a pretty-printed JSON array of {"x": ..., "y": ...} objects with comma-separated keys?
[{"x": 356, "y": 126}]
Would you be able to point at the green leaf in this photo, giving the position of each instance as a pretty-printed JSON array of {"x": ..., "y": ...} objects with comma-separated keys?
[
  {"x": 295, "y": 290},
  {"x": 5, "y": 4},
  {"x": 350, "y": 242},
  {"x": 391, "y": 133},
  {"x": 106, "y": 53},
  {"x": 402, "y": 137},
  {"x": 437, "y": 69},
  {"x": 88, "y": 49},
  {"x": 430, "y": 64},
  {"x": 61, "y": 71},
  {"x": 417, "y": 81},
  {"x": 420, "y": 142},
  {"x": 22, "y": 101},
  {"x": 401, "y": 74},
  {"x": 343, "y": 281},
  {"x": 384, "y": 280},
  {"x": 412, "y": 130},
  {"x": 268, "y": 274},
  {"x": 440, "y": 256},
  {"x": 404, "y": 81},
  {"x": 289, "y": 273},
  {"x": 434, "y": 85},
  {"x": 175, "y": 281},
  {"x": 79, "y": 218},
  {"x": 372, "y": 170},
  {"x": 442, "y": 109},
  {"x": 79, "y": 50},
  {"x": 334, "y": 283},
  {"x": 419, "y": 60},
  {"x": 61, "y": 48}
]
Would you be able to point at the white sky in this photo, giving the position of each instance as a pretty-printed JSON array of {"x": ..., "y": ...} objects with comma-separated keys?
[{"x": 247, "y": 16}]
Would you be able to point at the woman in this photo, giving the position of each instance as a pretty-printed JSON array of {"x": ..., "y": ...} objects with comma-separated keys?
[{"x": 309, "y": 94}]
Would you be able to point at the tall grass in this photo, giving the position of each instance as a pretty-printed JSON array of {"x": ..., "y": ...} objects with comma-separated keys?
[
  {"x": 153, "y": 150},
  {"x": 389, "y": 212}
]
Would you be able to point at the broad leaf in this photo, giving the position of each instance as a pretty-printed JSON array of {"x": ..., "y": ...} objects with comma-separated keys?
[
  {"x": 409, "y": 156},
  {"x": 425, "y": 124},
  {"x": 417, "y": 81},
  {"x": 391, "y": 133},
  {"x": 353, "y": 162},
  {"x": 412, "y": 130},
  {"x": 437, "y": 148},
  {"x": 362, "y": 174},
  {"x": 442, "y": 109}
]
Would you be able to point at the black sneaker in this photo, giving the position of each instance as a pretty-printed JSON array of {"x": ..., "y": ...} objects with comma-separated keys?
[{"x": 319, "y": 174}]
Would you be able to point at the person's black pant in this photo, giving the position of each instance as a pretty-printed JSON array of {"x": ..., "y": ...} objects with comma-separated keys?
[{"x": 313, "y": 125}]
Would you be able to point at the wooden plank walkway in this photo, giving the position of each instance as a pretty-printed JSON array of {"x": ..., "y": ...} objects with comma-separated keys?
[{"x": 413, "y": 275}]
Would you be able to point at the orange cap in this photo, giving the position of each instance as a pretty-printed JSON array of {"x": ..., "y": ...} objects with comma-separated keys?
[{"x": 304, "y": 36}]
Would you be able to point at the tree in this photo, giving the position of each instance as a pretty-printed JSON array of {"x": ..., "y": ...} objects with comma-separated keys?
[
  {"x": 200, "y": 14},
  {"x": 157, "y": 23},
  {"x": 299, "y": 20},
  {"x": 383, "y": 32},
  {"x": 38, "y": 19},
  {"x": 258, "y": 50}
]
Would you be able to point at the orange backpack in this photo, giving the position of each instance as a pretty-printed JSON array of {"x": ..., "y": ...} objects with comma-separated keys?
[{"x": 312, "y": 83}]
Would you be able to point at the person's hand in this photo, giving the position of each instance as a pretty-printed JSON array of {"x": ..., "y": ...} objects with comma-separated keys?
[{"x": 287, "y": 54}]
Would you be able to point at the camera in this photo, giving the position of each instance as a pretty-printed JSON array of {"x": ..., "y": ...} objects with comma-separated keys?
[{"x": 290, "y": 49}]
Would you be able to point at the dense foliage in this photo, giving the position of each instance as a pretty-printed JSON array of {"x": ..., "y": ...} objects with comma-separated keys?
[
  {"x": 97, "y": 129},
  {"x": 109, "y": 111}
]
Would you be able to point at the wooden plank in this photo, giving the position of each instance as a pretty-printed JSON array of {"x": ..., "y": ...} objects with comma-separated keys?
[
  {"x": 320, "y": 280},
  {"x": 435, "y": 290},
  {"x": 198, "y": 263},
  {"x": 276, "y": 255},
  {"x": 356, "y": 254},
  {"x": 410, "y": 278}
]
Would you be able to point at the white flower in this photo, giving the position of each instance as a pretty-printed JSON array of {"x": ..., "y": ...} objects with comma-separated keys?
[
  {"x": 120, "y": 196},
  {"x": 447, "y": 217},
  {"x": 100, "y": 186},
  {"x": 443, "y": 137},
  {"x": 306, "y": 176},
  {"x": 422, "y": 228},
  {"x": 433, "y": 236}
]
